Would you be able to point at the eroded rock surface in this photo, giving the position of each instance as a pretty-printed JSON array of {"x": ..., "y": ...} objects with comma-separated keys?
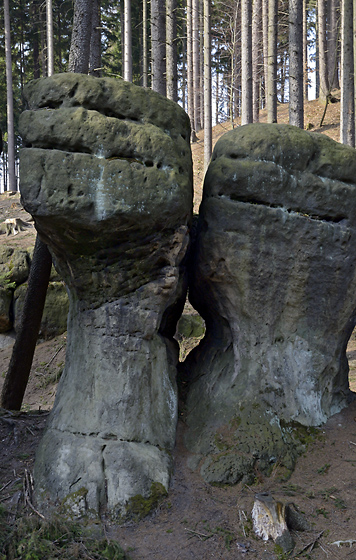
[
  {"x": 107, "y": 175},
  {"x": 275, "y": 281}
]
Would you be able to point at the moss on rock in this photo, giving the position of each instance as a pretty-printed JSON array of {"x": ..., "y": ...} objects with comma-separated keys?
[{"x": 139, "y": 506}]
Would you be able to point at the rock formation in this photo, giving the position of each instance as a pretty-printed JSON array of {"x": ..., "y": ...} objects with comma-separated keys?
[
  {"x": 14, "y": 271},
  {"x": 274, "y": 277},
  {"x": 107, "y": 175}
]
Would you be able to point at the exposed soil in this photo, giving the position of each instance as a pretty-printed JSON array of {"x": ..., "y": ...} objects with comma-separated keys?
[{"x": 196, "y": 520}]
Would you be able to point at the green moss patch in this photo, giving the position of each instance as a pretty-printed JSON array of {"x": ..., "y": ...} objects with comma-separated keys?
[{"x": 138, "y": 506}]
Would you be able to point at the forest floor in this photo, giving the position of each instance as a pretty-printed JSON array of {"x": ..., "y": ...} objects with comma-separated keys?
[{"x": 196, "y": 520}]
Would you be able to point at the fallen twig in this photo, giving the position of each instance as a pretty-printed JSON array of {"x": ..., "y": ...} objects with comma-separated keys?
[
  {"x": 27, "y": 491},
  {"x": 199, "y": 535},
  {"x": 349, "y": 541},
  {"x": 311, "y": 544},
  {"x": 54, "y": 355},
  {"x": 5, "y": 485},
  {"x": 241, "y": 515}
]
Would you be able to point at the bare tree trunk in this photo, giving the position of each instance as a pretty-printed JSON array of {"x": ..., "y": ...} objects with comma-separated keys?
[
  {"x": 347, "y": 119},
  {"x": 158, "y": 45},
  {"x": 196, "y": 65},
  {"x": 95, "y": 41},
  {"x": 184, "y": 65},
  {"x": 235, "y": 46},
  {"x": 256, "y": 58},
  {"x": 50, "y": 48},
  {"x": 127, "y": 42},
  {"x": 272, "y": 62},
  {"x": 265, "y": 44},
  {"x": 190, "y": 83},
  {"x": 22, "y": 355},
  {"x": 317, "y": 73},
  {"x": 332, "y": 43},
  {"x": 207, "y": 85},
  {"x": 246, "y": 62},
  {"x": 201, "y": 62},
  {"x": 323, "y": 55},
  {"x": 80, "y": 42},
  {"x": 217, "y": 92},
  {"x": 296, "y": 98},
  {"x": 144, "y": 45},
  {"x": 43, "y": 41},
  {"x": 12, "y": 186},
  {"x": 171, "y": 49},
  {"x": 36, "y": 29},
  {"x": 305, "y": 50}
]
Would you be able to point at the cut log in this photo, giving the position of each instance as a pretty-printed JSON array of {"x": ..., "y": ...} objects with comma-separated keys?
[
  {"x": 14, "y": 226},
  {"x": 269, "y": 521}
]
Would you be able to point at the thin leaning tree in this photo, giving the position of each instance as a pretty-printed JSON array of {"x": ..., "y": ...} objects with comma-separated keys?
[{"x": 23, "y": 351}]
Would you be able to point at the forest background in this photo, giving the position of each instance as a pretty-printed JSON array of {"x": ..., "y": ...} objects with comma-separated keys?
[{"x": 222, "y": 60}]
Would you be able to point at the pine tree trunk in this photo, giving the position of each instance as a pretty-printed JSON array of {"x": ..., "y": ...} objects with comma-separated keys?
[
  {"x": 323, "y": 54},
  {"x": 196, "y": 64},
  {"x": 95, "y": 41},
  {"x": 158, "y": 40},
  {"x": 265, "y": 45},
  {"x": 144, "y": 45},
  {"x": 332, "y": 43},
  {"x": 171, "y": 49},
  {"x": 246, "y": 62},
  {"x": 80, "y": 41},
  {"x": 12, "y": 186},
  {"x": 43, "y": 42},
  {"x": 256, "y": 58},
  {"x": 207, "y": 85},
  {"x": 201, "y": 62},
  {"x": 317, "y": 73},
  {"x": 296, "y": 98},
  {"x": 190, "y": 84},
  {"x": 36, "y": 31},
  {"x": 347, "y": 119},
  {"x": 127, "y": 42},
  {"x": 217, "y": 94},
  {"x": 235, "y": 46},
  {"x": 271, "y": 100},
  {"x": 50, "y": 47},
  {"x": 184, "y": 64},
  {"x": 305, "y": 50}
]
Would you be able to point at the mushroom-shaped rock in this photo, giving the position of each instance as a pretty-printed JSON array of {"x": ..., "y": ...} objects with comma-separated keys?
[
  {"x": 106, "y": 173},
  {"x": 275, "y": 281}
]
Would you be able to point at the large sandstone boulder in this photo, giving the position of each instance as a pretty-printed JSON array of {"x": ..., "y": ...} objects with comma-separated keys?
[
  {"x": 275, "y": 280},
  {"x": 107, "y": 176}
]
